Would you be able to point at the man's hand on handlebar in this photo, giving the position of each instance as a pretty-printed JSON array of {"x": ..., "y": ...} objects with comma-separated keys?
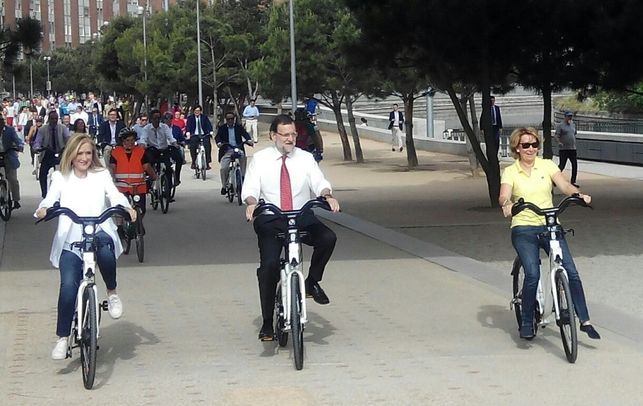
[{"x": 333, "y": 203}]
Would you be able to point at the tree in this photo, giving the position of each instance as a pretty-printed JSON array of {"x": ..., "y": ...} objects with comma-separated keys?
[
  {"x": 26, "y": 36},
  {"x": 453, "y": 43}
]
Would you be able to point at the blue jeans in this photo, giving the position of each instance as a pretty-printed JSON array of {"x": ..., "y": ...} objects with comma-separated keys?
[
  {"x": 71, "y": 273},
  {"x": 527, "y": 244}
]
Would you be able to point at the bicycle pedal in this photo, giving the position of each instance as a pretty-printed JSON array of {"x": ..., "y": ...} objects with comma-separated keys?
[{"x": 104, "y": 306}]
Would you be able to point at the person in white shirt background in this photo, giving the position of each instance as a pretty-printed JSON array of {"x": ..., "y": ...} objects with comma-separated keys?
[
  {"x": 251, "y": 115},
  {"x": 82, "y": 184},
  {"x": 264, "y": 178}
]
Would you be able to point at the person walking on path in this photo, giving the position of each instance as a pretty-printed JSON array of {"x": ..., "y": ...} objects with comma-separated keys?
[
  {"x": 496, "y": 123},
  {"x": 287, "y": 177},
  {"x": 566, "y": 136},
  {"x": 251, "y": 115},
  {"x": 396, "y": 125}
]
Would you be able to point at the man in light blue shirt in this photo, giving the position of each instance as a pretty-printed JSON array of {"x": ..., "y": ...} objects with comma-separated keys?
[{"x": 250, "y": 115}]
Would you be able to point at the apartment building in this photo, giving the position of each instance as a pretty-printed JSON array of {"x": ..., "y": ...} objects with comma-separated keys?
[{"x": 69, "y": 23}]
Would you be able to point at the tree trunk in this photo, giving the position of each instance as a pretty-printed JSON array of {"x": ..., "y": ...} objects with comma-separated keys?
[
  {"x": 359, "y": 155},
  {"x": 547, "y": 147},
  {"x": 341, "y": 129},
  {"x": 473, "y": 161},
  {"x": 411, "y": 154},
  {"x": 215, "y": 95},
  {"x": 493, "y": 167}
]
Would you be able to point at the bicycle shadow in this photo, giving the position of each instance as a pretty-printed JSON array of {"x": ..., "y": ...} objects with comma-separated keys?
[
  {"x": 118, "y": 341},
  {"x": 501, "y": 317},
  {"x": 317, "y": 330}
]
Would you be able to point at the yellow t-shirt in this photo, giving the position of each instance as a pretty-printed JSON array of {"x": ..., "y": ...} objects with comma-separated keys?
[{"x": 535, "y": 189}]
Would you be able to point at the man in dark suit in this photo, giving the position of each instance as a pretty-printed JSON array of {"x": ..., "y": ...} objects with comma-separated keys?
[
  {"x": 396, "y": 125},
  {"x": 199, "y": 126},
  {"x": 108, "y": 134},
  {"x": 229, "y": 136},
  {"x": 94, "y": 121},
  {"x": 496, "y": 123}
]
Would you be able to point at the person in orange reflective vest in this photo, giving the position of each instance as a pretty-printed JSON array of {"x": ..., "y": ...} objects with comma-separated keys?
[{"x": 129, "y": 165}]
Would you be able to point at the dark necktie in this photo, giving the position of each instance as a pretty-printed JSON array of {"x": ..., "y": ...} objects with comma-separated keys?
[
  {"x": 53, "y": 139},
  {"x": 284, "y": 186}
]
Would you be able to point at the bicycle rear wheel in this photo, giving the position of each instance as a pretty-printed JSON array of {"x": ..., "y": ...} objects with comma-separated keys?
[
  {"x": 140, "y": 241},
  {"x": 238, "y": 181},
  {"x": 280, "y": 319},
  {"x": 518, "y": 274},
  {"x": 89, "y": 337},
  {"x": 296, "y": 326},
  {"x": 567, "y": 321},
  {"x": 6, "y": 205}
]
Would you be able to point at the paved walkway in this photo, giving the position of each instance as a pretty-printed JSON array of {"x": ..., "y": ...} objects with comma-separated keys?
[{"x": 419, "y": 313}]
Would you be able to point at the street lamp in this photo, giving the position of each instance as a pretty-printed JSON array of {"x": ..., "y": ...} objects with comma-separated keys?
[
  {"x": 293, "y": 71},
  {"x": 198, "y": 55},
  {"x": 143, "y": 11},
  {"x": 47, "y": 59}
]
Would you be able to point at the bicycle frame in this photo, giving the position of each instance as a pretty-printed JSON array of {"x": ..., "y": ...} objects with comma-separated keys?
[
  {"x": 294, "y": 259},
  {"x": 547, "y": 295},
  {"x": 89, "y": 267}
]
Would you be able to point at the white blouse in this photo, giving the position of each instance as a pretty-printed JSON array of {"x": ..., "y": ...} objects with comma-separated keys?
[{"x": 86, "y": 197}]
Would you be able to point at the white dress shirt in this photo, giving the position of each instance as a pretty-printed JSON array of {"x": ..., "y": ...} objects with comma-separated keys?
[
  {"x": 160, "y": 137},
  {"x": 263, "y": 177},
  {"x": 86, "y": 197}
]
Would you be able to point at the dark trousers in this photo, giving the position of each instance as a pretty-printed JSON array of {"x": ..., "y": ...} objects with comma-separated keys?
[
  {"x": 155, "y": 155},
  {"x": 71, "y": 273},
  {"x": 320, "y": 237},
  {"x": 194, "y": 144},
  {"x": 48, "y": 162},
  {"x": 564, "y": 155}
]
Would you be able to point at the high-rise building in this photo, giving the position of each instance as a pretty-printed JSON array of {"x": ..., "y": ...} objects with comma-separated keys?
[{"x": 69, "y": 23}]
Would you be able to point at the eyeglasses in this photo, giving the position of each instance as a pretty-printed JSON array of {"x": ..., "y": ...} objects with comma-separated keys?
[
  {"x": 526, "y": 145},
  {"x": 288, "y": 135},
  {"x": 229, "y": 118}
]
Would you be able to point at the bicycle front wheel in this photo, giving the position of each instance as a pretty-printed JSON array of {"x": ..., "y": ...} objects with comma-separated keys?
[
  {"x": 280, "y": 319},
  {"x": 202, "y": 165},
  {"x": 567, "y": 320},
  {"x": 296, "y": 326},
  {"x": 238, "y": 181},
  {"x": 89, "y": 337},
  {"x": 166, "y": 192},
  {"x": 5, "y": 201},
  {"x": 140, "y": 241},
  {"x": 230, "y": 187}
]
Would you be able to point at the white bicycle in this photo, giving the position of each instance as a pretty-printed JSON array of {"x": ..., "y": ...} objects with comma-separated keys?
[
  {"x": 553, "y": 297},
  {"x": 200, "y": 164},
  {"x": 85, "y": 326},
  {"x": 290, "y": 304}
]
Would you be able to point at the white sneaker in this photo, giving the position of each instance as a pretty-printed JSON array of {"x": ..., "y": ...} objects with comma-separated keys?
[
  {"x": 114, "y": 306},
  {"x": 60, "y": 350}
]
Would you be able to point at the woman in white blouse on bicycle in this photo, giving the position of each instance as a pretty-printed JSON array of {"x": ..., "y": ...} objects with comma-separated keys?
[{"x": 82, "y": 184}]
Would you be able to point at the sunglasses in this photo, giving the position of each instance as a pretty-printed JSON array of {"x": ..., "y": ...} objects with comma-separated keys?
[{"x": 526, "y": 145}]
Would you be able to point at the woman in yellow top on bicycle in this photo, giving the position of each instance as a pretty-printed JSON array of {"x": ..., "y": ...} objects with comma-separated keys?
[{"x": 532, "y": 178}]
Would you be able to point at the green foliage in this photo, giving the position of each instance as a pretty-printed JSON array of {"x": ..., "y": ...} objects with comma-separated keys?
[{"x": 621, "y": 102}]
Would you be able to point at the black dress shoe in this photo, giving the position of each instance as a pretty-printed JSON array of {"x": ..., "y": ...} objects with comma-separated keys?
[
  {"x": 316, "y": 292},
  {"x": 591, "y": 331},
  {"x": 266, "y": 333},
  {"x": 224, "y": 191},
  {"x": 16, "y": 205}
]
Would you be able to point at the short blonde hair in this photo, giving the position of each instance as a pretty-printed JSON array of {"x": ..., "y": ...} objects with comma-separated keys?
[
  {"x": 71, "y": 150},
  {"x": 514, "y": 139}
]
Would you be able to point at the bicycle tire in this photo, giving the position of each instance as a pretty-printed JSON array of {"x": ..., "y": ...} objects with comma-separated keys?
[
  {"x": 154, "y": 195},
  {"x": 230, "y": 189},
  {"x": 165, "y": 192},
  {"x": 296, "y": 326},
  {"x": 6, "y": 205},
  {"x": 127, "y": 238},
  {"x": 140, "y": 239},
  {"x": 239, "y": 182},
  {"x": 280, "y": 319},
  {"x": 202, "y": 165},
  {"x": 518, "y": 274},
  {"x": 89, "y": 337},
  {"x": 567, "y": 321}
]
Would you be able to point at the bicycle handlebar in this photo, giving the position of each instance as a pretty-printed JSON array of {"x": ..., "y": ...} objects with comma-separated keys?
[
  {"x": 56, "y": 211},
  {"x": 521, "y": 205},
  {"x": 269, "y": 208}
]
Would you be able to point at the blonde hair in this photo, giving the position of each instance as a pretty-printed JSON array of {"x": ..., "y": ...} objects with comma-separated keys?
[
  {"x": 71, "y": 150},
  {"x": 514, "y": 139}
]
